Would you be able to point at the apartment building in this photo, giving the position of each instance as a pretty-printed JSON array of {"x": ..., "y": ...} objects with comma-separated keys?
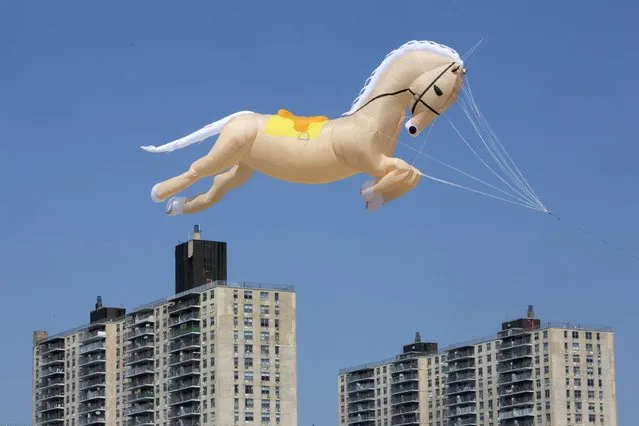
[
  {"x": 528, "y": 374},
  {"x": 218, "y": 353}
]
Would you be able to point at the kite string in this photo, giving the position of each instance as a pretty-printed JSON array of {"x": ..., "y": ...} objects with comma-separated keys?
[{"x": 595, "y": 237}]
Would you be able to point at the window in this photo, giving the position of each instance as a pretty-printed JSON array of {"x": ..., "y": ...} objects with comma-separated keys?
[{"x": 263, "y": 296}]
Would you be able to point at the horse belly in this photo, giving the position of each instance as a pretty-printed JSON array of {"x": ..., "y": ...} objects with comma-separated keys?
[{"x": 294, "y": 160}]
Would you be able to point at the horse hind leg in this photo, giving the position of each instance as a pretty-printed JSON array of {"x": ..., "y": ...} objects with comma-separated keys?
[
  {"x": 236, "y": 176},
  {"x": 231, "y": 146}
]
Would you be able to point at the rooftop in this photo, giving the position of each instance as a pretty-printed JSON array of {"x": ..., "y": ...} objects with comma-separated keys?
[
  {"x": 544, "y": 326},
  {"x": 165, "y": 300}
]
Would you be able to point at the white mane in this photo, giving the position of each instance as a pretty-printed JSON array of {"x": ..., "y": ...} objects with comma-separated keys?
[{"x": 411, "y": 46}]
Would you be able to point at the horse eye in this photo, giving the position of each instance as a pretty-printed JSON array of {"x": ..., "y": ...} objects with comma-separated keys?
[{"x": 438, "y": 91}]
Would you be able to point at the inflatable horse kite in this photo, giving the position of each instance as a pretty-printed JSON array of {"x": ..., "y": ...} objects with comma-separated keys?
[{"x": 422, "y": 76}]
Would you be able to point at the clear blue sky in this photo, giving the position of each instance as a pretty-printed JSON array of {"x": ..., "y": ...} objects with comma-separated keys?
[{"x": 84, "y": 84}]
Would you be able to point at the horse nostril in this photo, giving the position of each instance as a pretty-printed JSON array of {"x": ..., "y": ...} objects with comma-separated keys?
[{"x": 412, "y": 130}]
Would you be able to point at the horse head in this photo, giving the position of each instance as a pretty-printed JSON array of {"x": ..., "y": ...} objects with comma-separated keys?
[{"x": 433, "y": 92}]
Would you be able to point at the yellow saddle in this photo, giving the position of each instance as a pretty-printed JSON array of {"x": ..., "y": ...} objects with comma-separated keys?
[{"x": 300, "y": 123}]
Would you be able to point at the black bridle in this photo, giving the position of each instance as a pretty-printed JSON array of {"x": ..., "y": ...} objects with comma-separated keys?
[{"x": 417, "y": 97}]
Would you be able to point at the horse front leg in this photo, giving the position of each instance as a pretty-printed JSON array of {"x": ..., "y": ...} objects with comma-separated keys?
[
  {"x": 399, "y": 178},
  {"x": 231, "y": 146},
  {"x": 236, "y": 176}
]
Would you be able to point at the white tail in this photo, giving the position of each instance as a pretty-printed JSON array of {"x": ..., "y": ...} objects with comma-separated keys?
[{"x": 197, "y": 136}]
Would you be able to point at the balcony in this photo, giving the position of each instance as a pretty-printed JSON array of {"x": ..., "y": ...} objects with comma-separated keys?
[
  {"x": 90, "y": 395},
  {"x": 138, "y": 332},
  {"x": 51, "y": 371},
  {"x": 411, "y": 407},
  {"x": 461, "y": 388},
  {"x": 176, "y": 372},
  {"x": 51, "y": 382},
  {"x": 405, "y": 377},
  {"x": 461, "y": 353},
  {"x": 404, "y": 366},
  {"x": 461, "y": 365},
  {"x": 140, "y": 356},
  {"x": 461, "y": 377},
  {"x": 184, "y": 357},
  {"x": 514, "y": 365},
  {"x": 463, "y": 421},
  {"x": 182, "y": 305},
  {"x": 52, "y": 358},
  {"x": 51, "y": 394},
  {"x": 141, "y": 382},
  {"x": 182, "y": 331},
  {"x": 92, "y": 371},
  {"x": 189, "y": 411},
  {"x": 91, "y": 420},
  {"x": 526, "y": 412},
  {"x": 191, "y": 316},
  {"x": 460, "y": 399},
  {"x": 139, "y": 409},
  {"x": 515, "y": 389},
  {"x": 91, "y": 336},
  {"x": 138, "y": 371},
  {"x": 405, "y": 419},
  {"x": 139, "y": 396},
  {"x": 359, "y": 386},
  {"x": 404, "y": 398},
  {"x": 188, "y": 343},
  {"x": 407, "y": 387},
  {"x": 51, "y": 406},
  {"x": 361, "y": 408},
  {"x": 93, "y": 347},
  {"x": 140, "y": 318},
  {"x": 91, "y": 383},
  {"x": 52, "y": 416},
  {"x": 361, "y": 376},
  {"x": 145, "y": 420},
  {"x": 361, "y": 396},
  {"x": 514, "y": 377},
  {"x": 361, "y": 418},
  {"x": 184, "y": 398},
  {"x": 139, "y": 345},
  {"x": 185, "y": 422},
  {"x": 90, "y": 407},
  {"x": 48, "y": 348},
  {"x": 520, "y": 352},
  {"x": 462, "y": 411},
  {"x": 180, "y": 385},
  {"x": 92, "y": 359},
  {"x": 511, "y": 402},
  {"x": 517, "y": 340}
]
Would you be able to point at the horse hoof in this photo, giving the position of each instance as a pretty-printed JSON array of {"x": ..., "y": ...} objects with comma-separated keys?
[
  {"x": 367, "y": 191},
  {"x": 154, "y": 194},
  {"x": 175, "y": 206},
  {"x": 375, "y": 203}
]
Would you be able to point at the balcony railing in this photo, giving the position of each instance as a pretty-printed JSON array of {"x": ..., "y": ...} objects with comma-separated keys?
[
  {"x": 404, "y": 366},
  {"x": 461, "y": 354},
  {"x": 137, "y": 332},
  {"x": 184, "y": 357},
  {"x": 185, "y": 411},
  {"x": 52, "y": 416},
  {"x": 521, "y": 352},
  {"x": 515, "y": 389},
  {"x": 461, "y": 388},
  {"x": 52, "y": 358},
  {"x": 404, "y": 398},
  {"x": 52, "y": 381},
  {"x": 91, "y": 358},
  {"x": 138, "y": 319},
  {"x": 461, "y": 377},
  {"x": 359, "y": 386},
  {"x": 95, "y": 346},
  {"x": 361, "y": 396},
  {"x": 89, "y": 395},
  {"x": 51, "y": 371},
  {"x": 513, "y": 366},
  {"x": 142, "y": 420},
  {"x": 185, "y": 422},
  {"x": 405, "y": 419},
  {"x": 407, "y": 387},
  {"x": 87, "y": 407},
  {"x": 463, "y": 422},
  {"x": 98, "y": 381},
  {"x": 141, "y": 395},
  {"x": 462, "y": 411},
  {"x": 513, "y": 377},
  {"x": 516, "y": 341},
  {"x": 92, "y": 335},
  {"x": 139, "y": 382},
  {"x": 461, "y": 399},
  {"x": 177, "y": 332},
  {"x": 360, "y": 408},
  {"x": 184, "y": 304},
  {"x": 52, "y": 393},
  {"x": 183, "y": 384},
  {"x": 183, "y": 371},
  {"x": 190, "y": 316},
  {"x": 93, "y": 370},
  {"x": 461, "y": 365},
  {"x": 404, "y": 377},
  {"x": 52, "y": 347},
  {"x": 139, "y": 345},
  {"x": 138, "y": 356},
  {"x": 516, "y": 413},
  {"x": 189, "y": 342},
  {"x": 361, "y": 418},
  {"x": 139, "y": 409},
  {"x": 136, "y": 371},
  {"x": 91, "y": 420},
  {"x": 359, "y": 376},
  {"x": 53, "y": 405},
  {"x": 179, "y": 398}
]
